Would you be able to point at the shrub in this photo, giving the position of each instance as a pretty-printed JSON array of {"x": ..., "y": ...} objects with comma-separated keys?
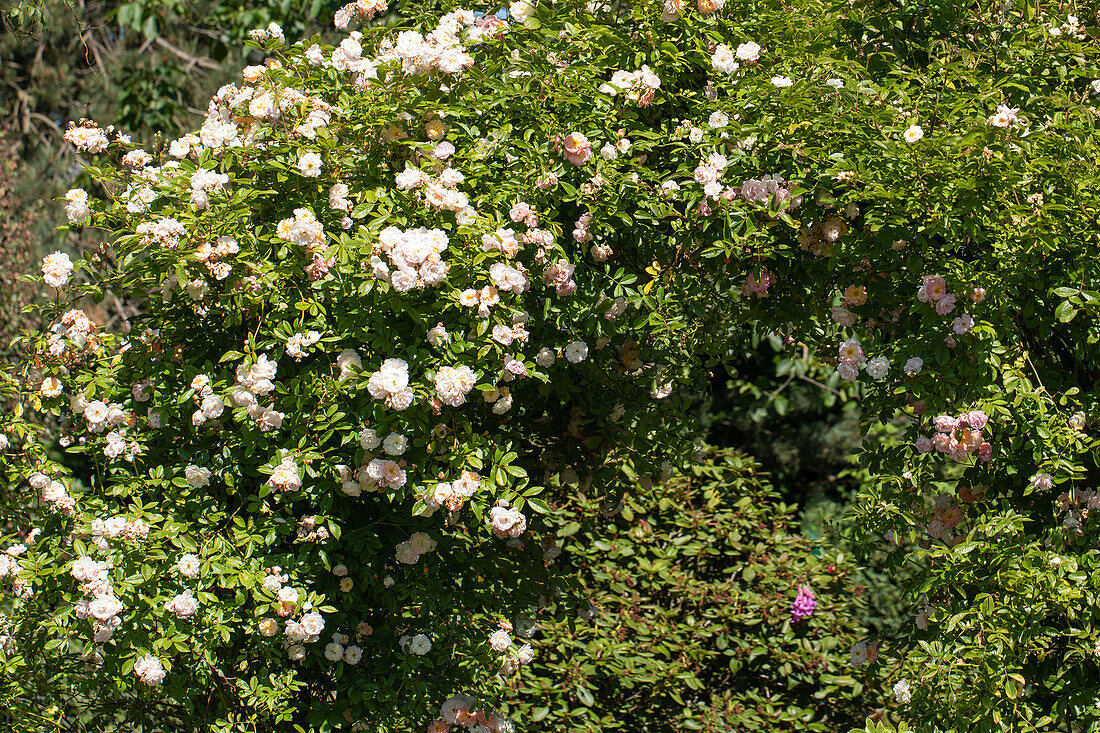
[
  {"x": 692, "y": 585},
  {"x": 464, "y": 271}
]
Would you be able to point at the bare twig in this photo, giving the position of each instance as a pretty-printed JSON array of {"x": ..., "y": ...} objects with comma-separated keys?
[{"x": 202, "y": 62}]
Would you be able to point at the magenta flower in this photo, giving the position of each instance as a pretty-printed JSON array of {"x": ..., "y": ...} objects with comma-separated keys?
[{"x": 804, "y": 605}]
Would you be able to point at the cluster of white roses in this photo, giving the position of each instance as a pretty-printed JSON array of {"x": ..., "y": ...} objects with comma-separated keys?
[
  {"x": 253, "y": 381},
  {"x": 771, "y": 187},
  {"x": 359, "y": 10},
  {"x": 376, "y": 474},
  {"x": 509, "y": 279},
  {"x": 725, "y": 60},
  {"x": 339, "y": 650},
  {"x": 300, "y": 633},
  {"x": 418, "y": 645},
  {"x": 99, "y": 416},
  {"x": 385, "y": 473},
  {"x": 451, "y": 495},
  {"x": 183, "y": 605},
  {"x": 77, "y": 209},
  {"x": 284, "y": 477},
  {"x": 149, "y": 670},
  {"x": 507, "y": 522},
  {"x": 458, "y": 710},
  {"x": 409, "y": 551},
  {"x": 53, "y": 493},
  {"x": 637, "y": 86},
  {"x": 165, "y": 232},
  {"x": 73, "y": 336},
  {"x": 307, "y": 232},
  {"x": 452, "y": 384},
  {"x": 933, "y": 290},
  {"x": 502, "y": 240},
  {"x": 214, "y": 256},
  {"x": 440, "y": 193},
  {"x": 203, "y": 182},
  {"x": 852, "y": 358},
  {"x": 514, "y": 657},
  {"x": 87, "y": 139},
  {"x": 307, "y": 630},
  {"x": 103, "y": 608},
  {"x": 115, "y": 527},
  {"x": 559, "y": 275},
  {"x": 415, "y": 257},
  {"x": 440, "y": 50},
  {"x": 391, "y": 384},
  {"x": 297, "y": 344}
]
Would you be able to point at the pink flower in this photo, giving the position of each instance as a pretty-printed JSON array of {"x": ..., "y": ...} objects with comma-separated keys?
[
  {"x": 962, "y": 324},
  {"x": 1042, "y": 482},
  {"x": 319, "y": 267},
  {"x": 759, "y": 288},
  {"x": 985, "y": 452},
  {"x": 945, "y": 304},
  {"x": 945, "y": 424},
  {"x": 923, "y": 444},
  {"x": 935, "y": 287},
  {"x": 976, "y": 419},
  {"x": 577, "y": 148},
  {"x": 519, "y": 211}
]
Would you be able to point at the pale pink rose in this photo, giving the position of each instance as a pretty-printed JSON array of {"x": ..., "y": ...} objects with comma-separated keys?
[
  {"x": 578, "y": 150},
  {"x": 935, "y": 287},
  {"x": 962, "y": 324},
  {"x": 519, "y": 211},
  {"x": 946, "y": 304},
  {"x": 976, "y": 419},
  {"x": 945, "y": 424}
]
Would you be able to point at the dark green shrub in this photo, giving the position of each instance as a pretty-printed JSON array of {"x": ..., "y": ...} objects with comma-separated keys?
[{"x": 692, "y": 584}]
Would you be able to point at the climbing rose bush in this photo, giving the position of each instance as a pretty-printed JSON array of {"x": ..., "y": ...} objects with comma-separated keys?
[{"x": 396, "y": 292}]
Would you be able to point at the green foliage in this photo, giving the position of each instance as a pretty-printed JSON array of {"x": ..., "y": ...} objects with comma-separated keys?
[{"x": 691, "y": 584}]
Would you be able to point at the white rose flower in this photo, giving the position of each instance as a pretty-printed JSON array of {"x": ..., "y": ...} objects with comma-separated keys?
[
  {"x": 368, "y": 438},
  {"x": 419, "y": 645},
  {"x": 500, "y": 640},
  {"x": 878, "y": 367},
  {"x": 902, "y": 692},
  {"x": 313, "y": 623},
  {"x": 197, "y": 476},
  {"x": 334, "y": 652},
  {"x": 520, "y": 11},
  {"x": 748, "y": 52},
  {"x": 576, "y": 352},
  {"x": 310, "y": 165},
  {"x": 149, "y": 670},
  {"x": 913, "y": 134},
  {"x": 189, "y": 566}
]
